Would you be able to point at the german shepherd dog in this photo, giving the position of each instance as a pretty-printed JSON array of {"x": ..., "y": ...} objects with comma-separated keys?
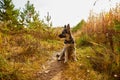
[{"x": 69, "y": 45}]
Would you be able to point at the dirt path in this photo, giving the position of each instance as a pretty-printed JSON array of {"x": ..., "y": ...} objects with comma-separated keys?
[{"x": 52, "y": 70}]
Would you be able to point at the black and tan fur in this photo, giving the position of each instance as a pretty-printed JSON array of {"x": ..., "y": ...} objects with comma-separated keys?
[{"x": 68, "y": 51}]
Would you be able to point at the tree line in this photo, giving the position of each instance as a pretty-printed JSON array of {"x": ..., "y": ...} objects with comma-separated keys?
[{"x": 17, "y": 18}]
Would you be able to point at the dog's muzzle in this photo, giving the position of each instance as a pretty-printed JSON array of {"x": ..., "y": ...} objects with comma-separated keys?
[{"x": 62, "y": 36}]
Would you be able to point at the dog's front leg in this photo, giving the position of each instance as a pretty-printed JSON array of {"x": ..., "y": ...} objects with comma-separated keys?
[
  {"x": 61, "y": 54},
  {"x": 66, "y": 56},
  {"x": 74, "y": 55}
]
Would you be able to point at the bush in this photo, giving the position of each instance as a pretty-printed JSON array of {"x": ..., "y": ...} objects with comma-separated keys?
[
  {"x": 106, "y": 62},
  {"x": 83, "y": 41},
  {"x": 8, "y": 71},
  {"x": 78, "y": 26}
]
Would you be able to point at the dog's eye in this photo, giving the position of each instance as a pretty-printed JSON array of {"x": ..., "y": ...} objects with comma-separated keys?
[{"x": 65, "y": 31}]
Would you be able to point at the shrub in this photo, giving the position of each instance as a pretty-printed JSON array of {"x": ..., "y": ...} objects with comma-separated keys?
[
  {"x": 78, "y": 26},
  {"x": 83, "y": 41}
]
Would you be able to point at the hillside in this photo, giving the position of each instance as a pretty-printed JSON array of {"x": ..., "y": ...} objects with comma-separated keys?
[{"x": 28, "y": 51}]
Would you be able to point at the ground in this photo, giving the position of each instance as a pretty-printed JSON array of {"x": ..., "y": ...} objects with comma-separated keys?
[{"x": 52, "y": 70}]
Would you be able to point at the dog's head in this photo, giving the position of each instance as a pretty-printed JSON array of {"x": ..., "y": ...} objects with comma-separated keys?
[{"x": 65, "y": 31}]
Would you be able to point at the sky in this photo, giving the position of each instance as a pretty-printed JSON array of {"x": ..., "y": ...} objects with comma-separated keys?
[{"x": 67, "y": 11}]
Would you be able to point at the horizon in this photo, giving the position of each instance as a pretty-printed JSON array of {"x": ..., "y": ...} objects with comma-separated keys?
[{"x": 67, "y": 12}]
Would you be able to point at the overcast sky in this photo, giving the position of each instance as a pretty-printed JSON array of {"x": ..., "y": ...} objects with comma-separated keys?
[{"x": 67, "y": 11}]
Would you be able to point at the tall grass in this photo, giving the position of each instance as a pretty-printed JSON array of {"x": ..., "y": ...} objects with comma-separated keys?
[{"x": 102, "y": 34}]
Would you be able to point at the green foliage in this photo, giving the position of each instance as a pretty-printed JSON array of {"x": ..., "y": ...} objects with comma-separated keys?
[
  {"x": 83, "y": 41},
  {"x": 78, "y": 26},
  {"x": 117, "y": 25},
  {"x": 16, "y": 20},
  {"x": 8, "y": 13},
  {"x": 118, "y": 50},
  {"x": 29, "y": 14},
  {"x": 36, "y": 25}
]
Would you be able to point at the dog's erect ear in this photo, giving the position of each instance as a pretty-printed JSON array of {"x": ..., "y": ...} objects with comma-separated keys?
[
  {"x": 64, "y": 26},
  {"x": 68, "y": 26}
]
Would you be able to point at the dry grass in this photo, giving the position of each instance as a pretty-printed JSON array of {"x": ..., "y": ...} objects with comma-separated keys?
[
  {"x": 90, "y": 67},
  {"x": 99, "y": 37},
  {"x": 22, "y": 53}
]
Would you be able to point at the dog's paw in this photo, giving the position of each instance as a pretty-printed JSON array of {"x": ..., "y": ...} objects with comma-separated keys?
[
  {"x": 65, "y": 61},
  {"x": 75, "y": 59},
  {"x": 57, "y": 55},
  {"x": 58, "y": 59}
]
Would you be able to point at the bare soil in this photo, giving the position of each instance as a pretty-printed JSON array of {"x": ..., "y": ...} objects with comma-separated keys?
[{"x": 52, "y": 70}]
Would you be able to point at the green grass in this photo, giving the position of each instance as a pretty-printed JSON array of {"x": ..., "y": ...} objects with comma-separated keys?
[
  {"x": 78, "y": 26},
  {"x": 91, "y": 66}
]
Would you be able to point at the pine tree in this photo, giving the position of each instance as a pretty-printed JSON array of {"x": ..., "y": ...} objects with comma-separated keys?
[
  {"x": 48, "y": 20},
  {"x": 29, "y": 14},
  {"x": 7, "y": 12}
]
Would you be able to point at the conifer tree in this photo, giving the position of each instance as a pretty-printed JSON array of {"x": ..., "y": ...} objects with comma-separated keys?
[
  {"x": 48, "y": 20},
  {"x": 7, "y": 12},
  {"x": 28, "y": 14}
]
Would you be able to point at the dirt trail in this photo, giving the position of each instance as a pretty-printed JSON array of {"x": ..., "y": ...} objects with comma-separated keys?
[{"x": 52, "y": 70}]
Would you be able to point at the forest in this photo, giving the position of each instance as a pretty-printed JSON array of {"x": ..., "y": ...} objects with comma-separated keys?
[{"x": 28, "y": 46}]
